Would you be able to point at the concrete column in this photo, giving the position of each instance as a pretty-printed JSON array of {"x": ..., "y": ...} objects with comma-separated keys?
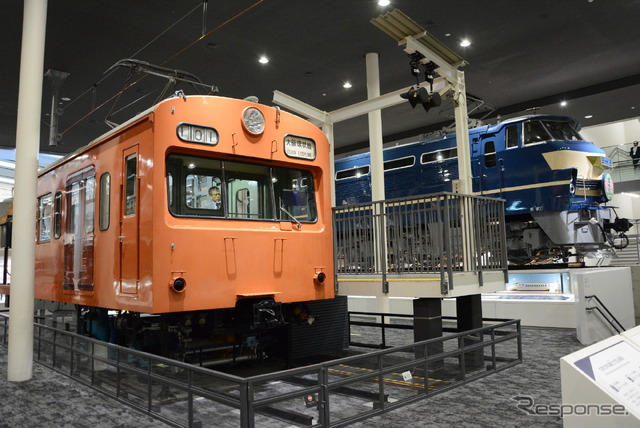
[
  {"x": 20, "y": 355},
  {"x": 327, "y": 128},
  {"x": 377, "y": 164}
]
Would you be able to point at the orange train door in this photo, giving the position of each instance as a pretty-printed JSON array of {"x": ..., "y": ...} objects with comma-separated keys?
[
  {"x": 129, "y": 223},
  {"x": 78, "y": 237}
]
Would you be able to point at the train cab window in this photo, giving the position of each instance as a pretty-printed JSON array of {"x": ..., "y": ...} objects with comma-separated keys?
[
  {"x": 57, "y": 215},
  {"x": 489, "y": 154},
  {"x": 131, "y": 172},
  {"x": 561, "y": 130},
  {"x": 294, "y": 194},
  {"x": 44, "y": 218},
  {"x": 105, "y": 201},
  {"x": 244, "y": 190},
  {"x": 248, "y": 189},
  {"x": 535, "y": 132},
  {"x": 511, "y": 136}
]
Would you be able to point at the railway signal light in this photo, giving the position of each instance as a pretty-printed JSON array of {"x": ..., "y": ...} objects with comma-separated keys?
[{"x": 420, "y": 95}]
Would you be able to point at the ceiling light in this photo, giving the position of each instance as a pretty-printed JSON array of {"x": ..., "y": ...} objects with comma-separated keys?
[
  {"x": 65, "y": 99},
  {"x": 263, "y": 60},
  {"x": 589, "y": 116},
  {"x": 465, "y": 42},
  {"x": 563, "y": 103},
  {"x": 384, "y": 3},
  {"x": 347, "y": 85}
]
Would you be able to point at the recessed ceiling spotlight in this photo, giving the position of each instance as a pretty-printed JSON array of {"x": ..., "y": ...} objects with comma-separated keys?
[
  {"x": 447, "y": 35},
  {"x": 589, "y": 116},
  {"x": 563, "y": 103},
  {"x": 263, "y": 60},
  {"x": 465, "y": 42},
  {"x": 65, "y": 99},
  {"x": 384, "y": 3},
  {"x": 347, "y": 85}
]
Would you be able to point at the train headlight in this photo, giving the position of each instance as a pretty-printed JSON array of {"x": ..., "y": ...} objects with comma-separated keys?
[
  {"x": 178, "y": 285},
  {"x": 253, "y": 120},
  {"x": 320, "y": 278}
]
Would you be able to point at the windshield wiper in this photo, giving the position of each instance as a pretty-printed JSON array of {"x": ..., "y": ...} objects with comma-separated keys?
[{"x": 298, "y": 224}]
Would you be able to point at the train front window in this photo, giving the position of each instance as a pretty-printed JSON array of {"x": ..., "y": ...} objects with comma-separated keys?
[
  {"x": 204, "y": 187},
  {"x": 294, "y": 195},
  {"x": 561, "y": 130},
  {"x": 535, "y": 132}
]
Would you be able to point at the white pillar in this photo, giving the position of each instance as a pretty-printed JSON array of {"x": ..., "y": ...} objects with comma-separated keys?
[
  {"x": 377, "y": 163},
  {"x": 462, "y": 134},
  {"x": 375, "y": 129},
  {"x": 20, "y": 355},
  {"x": 327, "y": 128}
]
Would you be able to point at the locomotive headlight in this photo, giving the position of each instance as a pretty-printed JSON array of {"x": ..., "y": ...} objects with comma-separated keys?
[
  {"x": 178, "y": 285},
  {"x": 253, "y": 120}
]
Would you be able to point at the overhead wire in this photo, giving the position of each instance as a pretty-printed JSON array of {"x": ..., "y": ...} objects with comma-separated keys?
[{"x": 180, "y": 52}]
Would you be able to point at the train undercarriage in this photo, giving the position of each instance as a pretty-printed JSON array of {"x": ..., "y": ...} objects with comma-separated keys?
[
  {"x": 255, "y": 330},
  {"x": 584, "y": 237}
]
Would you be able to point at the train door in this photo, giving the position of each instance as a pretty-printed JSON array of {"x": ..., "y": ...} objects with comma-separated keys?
[
  {"x": 129, "y": 223},
  {"x": 78, "y": 237},
  {"x": 491, "y": 167}
]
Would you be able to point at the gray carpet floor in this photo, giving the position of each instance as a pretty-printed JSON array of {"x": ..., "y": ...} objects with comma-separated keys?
[{"x": 51, "y": 399}]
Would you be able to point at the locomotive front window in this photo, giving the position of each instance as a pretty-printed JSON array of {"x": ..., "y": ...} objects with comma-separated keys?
[
  {"x": 204, "y": 187},
  {"x": 561, "y": 130}
]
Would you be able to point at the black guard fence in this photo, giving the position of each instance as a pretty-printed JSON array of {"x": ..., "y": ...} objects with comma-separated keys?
[{"x": 330, "y": 394}]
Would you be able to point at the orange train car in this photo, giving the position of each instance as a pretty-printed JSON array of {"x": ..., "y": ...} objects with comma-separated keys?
[{"x": 210, "y": 207}]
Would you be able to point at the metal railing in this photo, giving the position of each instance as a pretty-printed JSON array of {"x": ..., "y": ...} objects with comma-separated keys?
[
  {"x": 439, "y": 234},
  {"x": 330, "y": 394},
  {"x": 605, "y": 313}
]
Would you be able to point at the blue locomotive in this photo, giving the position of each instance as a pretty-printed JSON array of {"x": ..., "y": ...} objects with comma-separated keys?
[{"x": 554, "y": 183}]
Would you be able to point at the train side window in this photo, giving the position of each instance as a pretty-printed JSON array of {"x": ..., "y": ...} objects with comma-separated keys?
[
  {"x": 105, "y": 201},
  {"x": 511, "y": 135},
  {"x": 356, "y": 172},
  {"x": 404, "y": 162},
  {"x": 131, "y": 185},
  {"x": 44, "y": 218},
  {"x": 489, "y": 154},
  {"x": 439, "y": 155},
  {"x": 57, "y": 215}
]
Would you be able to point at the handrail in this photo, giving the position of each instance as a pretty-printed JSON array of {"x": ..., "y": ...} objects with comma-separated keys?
[{"x": 610, "y": 321}]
